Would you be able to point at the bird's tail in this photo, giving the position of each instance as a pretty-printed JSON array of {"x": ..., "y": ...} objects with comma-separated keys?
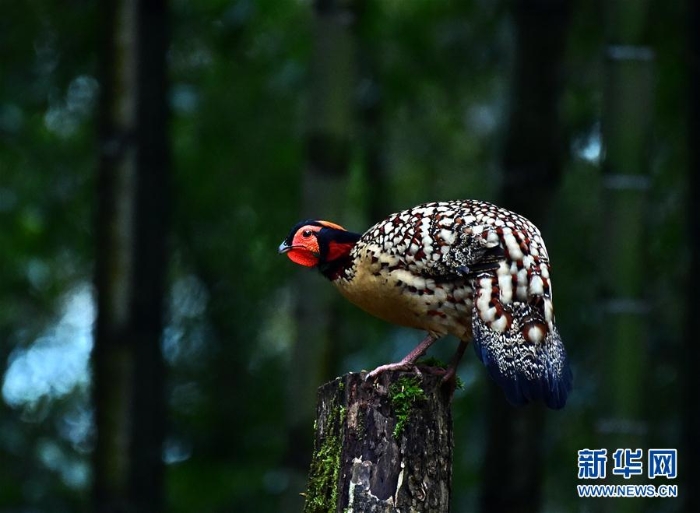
[{"x": 527, "y": 370}]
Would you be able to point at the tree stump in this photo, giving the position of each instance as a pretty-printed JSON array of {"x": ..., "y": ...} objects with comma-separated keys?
[{"x": 382, "y": 446}]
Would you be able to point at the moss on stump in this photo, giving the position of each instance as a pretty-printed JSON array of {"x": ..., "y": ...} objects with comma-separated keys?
[{"x": 382, "y": 446}]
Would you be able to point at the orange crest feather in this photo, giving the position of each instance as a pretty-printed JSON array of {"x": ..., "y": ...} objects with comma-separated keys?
[{"x": 328, "y": 224}]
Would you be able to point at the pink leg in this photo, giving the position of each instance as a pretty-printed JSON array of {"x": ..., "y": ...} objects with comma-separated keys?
[
  {"x": 452, "y": 369},
  {"x": 408, "y": 361}
]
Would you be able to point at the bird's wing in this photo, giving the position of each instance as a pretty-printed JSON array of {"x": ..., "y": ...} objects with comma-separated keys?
[
  {"x": 443, "y": 241},
  {"x": 462, "y": 253}
]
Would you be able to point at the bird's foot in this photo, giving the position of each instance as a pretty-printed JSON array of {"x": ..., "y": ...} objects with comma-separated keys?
[
  {"x": 418, "y": 368},
  {"x": 409, "y": 361},
  {"x": 450, "y": 381},
  {"x": 449, "y": 374},
  {"x": 404, "y": 366},
  {"x": 450, "y": 377}
]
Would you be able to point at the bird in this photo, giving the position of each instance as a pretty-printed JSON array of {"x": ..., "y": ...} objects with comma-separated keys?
[{"x": 466, "y": 268}]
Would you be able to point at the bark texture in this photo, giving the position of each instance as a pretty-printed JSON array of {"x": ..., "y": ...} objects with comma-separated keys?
[
  {"x": 533, "y": 153},
  {"x": 131, "y": 256},
  {"x": 383, "y": 446}
]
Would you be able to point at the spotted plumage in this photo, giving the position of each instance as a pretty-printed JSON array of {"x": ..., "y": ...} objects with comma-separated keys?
[{"x": 465, "y": 268}]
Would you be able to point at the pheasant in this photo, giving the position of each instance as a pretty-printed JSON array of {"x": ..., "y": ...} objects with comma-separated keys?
[{"x": 466, "y": 268}]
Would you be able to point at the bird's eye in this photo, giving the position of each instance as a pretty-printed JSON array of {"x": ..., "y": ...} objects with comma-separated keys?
[{"x": 306, "y": 233}]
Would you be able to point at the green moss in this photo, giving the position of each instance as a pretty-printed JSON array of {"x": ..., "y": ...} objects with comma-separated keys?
[
  {"x": 404, "y": 394},
  {"x": 322, "y": 491}
]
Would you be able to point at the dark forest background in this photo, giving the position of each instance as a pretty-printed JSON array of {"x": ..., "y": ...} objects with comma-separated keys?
[{"x": 157, "y": 354}]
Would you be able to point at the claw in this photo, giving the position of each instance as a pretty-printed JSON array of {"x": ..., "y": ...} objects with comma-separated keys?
[
  {"x": 405, "y": 366},
  {"x": 450, "y": 375},
  {"x": 409, "y": 361}
]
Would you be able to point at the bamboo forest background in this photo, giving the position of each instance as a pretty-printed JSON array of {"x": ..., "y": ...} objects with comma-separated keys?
[{"x": 583, "y": 116}]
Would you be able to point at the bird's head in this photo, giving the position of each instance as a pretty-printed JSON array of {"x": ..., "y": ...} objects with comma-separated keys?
[{"x": 321, "y": 244}]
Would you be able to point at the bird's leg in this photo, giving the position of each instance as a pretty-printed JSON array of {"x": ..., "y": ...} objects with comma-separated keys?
[
  {"x": 452, "y": 369},
  {"x": 407, "y": 361}
]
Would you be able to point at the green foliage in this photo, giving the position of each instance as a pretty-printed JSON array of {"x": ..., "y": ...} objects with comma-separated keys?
[
  {"x": 404, "y": 394},
  {"x": 322, "y": 491}
]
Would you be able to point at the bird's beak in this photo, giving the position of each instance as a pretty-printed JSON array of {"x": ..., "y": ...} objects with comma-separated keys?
[{"x": 284, "y": 248}]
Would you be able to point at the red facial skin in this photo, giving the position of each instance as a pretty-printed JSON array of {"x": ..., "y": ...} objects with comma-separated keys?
[{"x": 305, "y": 247}]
